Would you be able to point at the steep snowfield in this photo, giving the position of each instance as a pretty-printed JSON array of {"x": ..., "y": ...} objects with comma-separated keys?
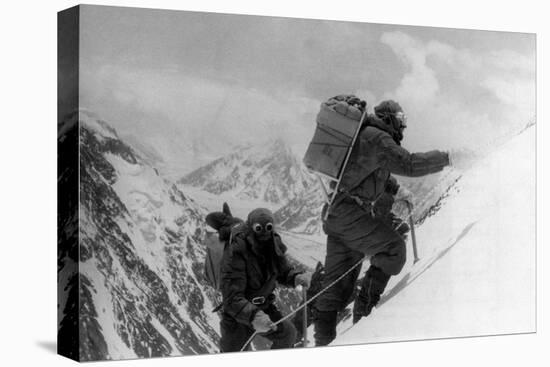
[{"x": 476, "y": 275}]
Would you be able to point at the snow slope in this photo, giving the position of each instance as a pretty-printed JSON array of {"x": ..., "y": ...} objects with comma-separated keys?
[{"x": 476, "y": 275}]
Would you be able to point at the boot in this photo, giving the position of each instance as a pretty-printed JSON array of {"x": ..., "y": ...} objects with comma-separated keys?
[
  {"x": 372, "y": 287},
  {"x": 325, "y": 327}
]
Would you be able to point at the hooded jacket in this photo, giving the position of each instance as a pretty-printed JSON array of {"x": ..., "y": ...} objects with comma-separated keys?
[
  {"x": 252, "y": 269},
  {"x": 375, "y": 155}
]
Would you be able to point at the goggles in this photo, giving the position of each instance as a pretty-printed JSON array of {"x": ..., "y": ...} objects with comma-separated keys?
[
  {"x": 258, "y": 228},
  {"x": 402, "y": 119}
]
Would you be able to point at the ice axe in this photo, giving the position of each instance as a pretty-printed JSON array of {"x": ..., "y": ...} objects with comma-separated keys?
[{"x": 413, "y": 235}]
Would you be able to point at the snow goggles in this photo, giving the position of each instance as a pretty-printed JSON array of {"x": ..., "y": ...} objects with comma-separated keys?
[
  {"x": 258, "y": 228},
  {"x": 402, "y": 119}
]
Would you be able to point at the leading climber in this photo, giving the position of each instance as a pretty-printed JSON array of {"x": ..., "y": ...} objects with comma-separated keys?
[{"x": 355, "y": 228}]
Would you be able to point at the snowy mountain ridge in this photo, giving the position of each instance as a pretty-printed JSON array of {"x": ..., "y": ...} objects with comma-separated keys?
[
  {"x": 272, "y": 173},
  {"x": 140, "y": 289},
  {"x": 142, "y": 292}
]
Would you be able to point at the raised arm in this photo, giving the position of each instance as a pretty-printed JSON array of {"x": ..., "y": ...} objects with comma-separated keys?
[{"x": 400, "y": 162}]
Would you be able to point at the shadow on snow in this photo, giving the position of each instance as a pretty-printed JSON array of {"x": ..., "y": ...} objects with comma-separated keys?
[{"x": 410, "y": 277}]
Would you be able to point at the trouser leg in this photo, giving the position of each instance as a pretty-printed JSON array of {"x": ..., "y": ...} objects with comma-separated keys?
[
  {"x": 285, "y": 334},
  {"x": 325, "y": 326},
  {"x": 388, "y": 261},
  {"x": 372, "y": 287},
  {"x": 387, "y": 252},
  {"x": 233, "y": 335},
  {"x": 392, "y": 258},
  {"x": 383, "y": 244},
  {"x": 339, "y": 259}
]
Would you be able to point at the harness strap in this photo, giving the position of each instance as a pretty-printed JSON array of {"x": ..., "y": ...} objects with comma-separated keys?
[{"x": 366, "y": 205}]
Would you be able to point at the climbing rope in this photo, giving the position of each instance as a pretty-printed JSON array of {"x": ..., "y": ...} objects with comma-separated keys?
[
  {"x": 423, "y": 200},
  {"x": 308, "y": 301}
]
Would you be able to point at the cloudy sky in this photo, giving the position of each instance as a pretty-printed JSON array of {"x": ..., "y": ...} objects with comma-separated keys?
[{"x": 208, "y": 79}]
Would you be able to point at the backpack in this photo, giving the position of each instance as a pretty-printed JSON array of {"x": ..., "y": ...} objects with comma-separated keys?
[
  {"x": 213, "y": 259},
  {"x": 338, "y": 124},
  {"x": 216, "y": 242}
]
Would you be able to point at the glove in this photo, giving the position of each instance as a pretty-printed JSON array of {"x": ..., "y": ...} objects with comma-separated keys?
[
  {"x": 463, "y": 158},
  {"x": 401, "y": 227},
  {"x": 392, "y": 187},
  {"x": 303, "y": 279},
  {"x": 262, "y": 323},
  {"x": 404, "y": 195}
]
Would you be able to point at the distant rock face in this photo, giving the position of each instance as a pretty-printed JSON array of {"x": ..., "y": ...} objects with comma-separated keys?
[
  {"x": 67, "y": 237},
  {"x": 269, "y": 173},
  {"x": 140, "y": 289},
  {"x": 303, "y": 213}
]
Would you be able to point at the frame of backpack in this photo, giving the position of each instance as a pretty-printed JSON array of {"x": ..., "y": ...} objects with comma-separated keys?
[{"x": 329, "y": 196}]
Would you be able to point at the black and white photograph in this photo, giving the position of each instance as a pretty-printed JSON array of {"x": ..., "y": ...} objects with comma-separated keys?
[
  {"x": 251, "y": 183},
  {"x": 234, "y": 182}
]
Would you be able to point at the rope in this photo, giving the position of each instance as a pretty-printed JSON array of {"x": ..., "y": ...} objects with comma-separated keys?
[
  {"x": 299, "y": 237},
  {"x": 308, "y": 301},
  {"x": 423, "y": 200}
]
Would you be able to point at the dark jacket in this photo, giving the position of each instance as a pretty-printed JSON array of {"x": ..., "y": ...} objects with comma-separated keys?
[
  {"x": 374, "y": 157},
  {"x": 251, "y": 269}
]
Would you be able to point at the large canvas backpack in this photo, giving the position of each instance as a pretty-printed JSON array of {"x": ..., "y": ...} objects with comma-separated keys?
[{"x": 338, "y": 124}]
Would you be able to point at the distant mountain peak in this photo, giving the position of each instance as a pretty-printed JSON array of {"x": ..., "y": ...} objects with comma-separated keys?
[
  {"x": 91, "y": 121},
  {"x": 268, "y": 172},
  {"x": 141, "y": 258}
]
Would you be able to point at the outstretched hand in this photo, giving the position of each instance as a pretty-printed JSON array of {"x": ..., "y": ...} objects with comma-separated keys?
[{"x": 462, "y": 158}]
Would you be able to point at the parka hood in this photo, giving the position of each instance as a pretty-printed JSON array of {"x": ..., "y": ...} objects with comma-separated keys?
[{"x": 373, "y": 120}]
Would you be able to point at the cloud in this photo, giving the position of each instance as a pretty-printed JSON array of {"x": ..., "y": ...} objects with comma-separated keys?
[
  {"x": 419, "y": 85},
  {"x": 216, "y": 114},
  {"x": 268, "y": 78},
  {"x": 459, "y": 97}
]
